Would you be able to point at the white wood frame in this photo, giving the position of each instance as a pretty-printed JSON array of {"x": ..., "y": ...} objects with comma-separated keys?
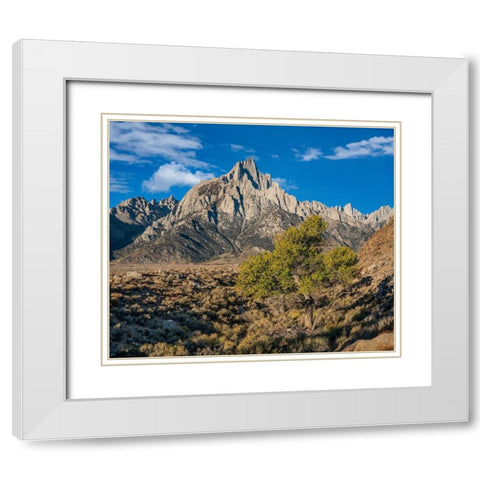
[{"x": 40, "y": 408}]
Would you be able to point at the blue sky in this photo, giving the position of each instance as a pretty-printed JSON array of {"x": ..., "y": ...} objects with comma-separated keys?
[{"x": 334, "y": 165}]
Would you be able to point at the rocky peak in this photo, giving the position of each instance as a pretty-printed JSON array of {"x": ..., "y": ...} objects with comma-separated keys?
[
  {"x": 348, "y": 209},
  {"x": 244, "y": 167},
  {"x": 134, "y": 202},
  {"x": 244, "y": 192},
  {"x": 379, "y": 217},
  {"x": 352, "y": 212},
  {"x": 171, "y": 202},
  {"x": 139, "y": 211},
  {"x": 246, "y": 172},
  {"x": 131, "y": 217}
]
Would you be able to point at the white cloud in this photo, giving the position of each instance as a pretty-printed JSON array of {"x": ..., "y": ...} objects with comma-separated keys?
[
  {"x": 241, "y": 148},
  {"x": 176, "y": 128},
  {"x": 308, "y": 155},
  {"x": 285, "y": 184},
  {"x": 171, "y": 175},
  {"x": 142, "y": 140},
  {"x": 119, "y": 184},
  {"x": 373, "y": 147},
  {"x": 126, "y": 158},
  {"x": 275, "y": 155}
]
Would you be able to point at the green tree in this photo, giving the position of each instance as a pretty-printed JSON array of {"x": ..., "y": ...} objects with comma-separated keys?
[
  {"x": 297, "y": 265},
  {"x": 341, "y": 263}
]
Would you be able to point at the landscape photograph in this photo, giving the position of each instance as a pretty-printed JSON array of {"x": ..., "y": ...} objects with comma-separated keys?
[{"x": 230, "y": 239}]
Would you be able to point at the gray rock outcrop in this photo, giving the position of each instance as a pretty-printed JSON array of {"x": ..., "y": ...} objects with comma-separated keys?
[{"x": 230, "y": 217}]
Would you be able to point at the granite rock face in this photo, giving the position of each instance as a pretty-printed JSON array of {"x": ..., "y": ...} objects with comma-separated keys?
[
  {"x": 130, "y": 218},
  {"x": 230, "y": 217}
]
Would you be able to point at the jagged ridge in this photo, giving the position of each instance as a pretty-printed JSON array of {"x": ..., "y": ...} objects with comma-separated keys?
[
  {"x": 130, "y": 218},
  {"x": 234, "y": 215}
]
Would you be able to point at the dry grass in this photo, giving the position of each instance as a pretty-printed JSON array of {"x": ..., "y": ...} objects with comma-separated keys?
[{"x": 195, "y": 310}]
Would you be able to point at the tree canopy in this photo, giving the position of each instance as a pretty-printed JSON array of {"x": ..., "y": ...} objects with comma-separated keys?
[{"x": 298, "y": 264}]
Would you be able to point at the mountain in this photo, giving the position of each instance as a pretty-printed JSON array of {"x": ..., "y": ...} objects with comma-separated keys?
[
  {"x": 130, "y": 218},
  {"x": 232, "y": 216}
]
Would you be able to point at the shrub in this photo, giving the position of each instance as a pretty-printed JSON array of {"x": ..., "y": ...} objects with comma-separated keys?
[{"x": 162, "y": 349}]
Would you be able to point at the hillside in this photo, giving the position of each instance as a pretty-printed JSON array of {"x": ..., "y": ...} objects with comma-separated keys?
[{"x": 375, "y": 291}]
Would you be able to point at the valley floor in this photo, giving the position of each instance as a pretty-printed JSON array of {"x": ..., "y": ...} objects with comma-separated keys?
[{"x": 171, "y": 310}]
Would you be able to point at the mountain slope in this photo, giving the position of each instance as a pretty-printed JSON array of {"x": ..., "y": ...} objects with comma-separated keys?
[
  {"x": 238, "y": 214},
  {"x": 130, "y": 218},
  {"x": 376, "y": 291}
]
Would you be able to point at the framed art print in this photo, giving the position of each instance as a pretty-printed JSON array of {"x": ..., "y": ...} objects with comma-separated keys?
[
  {"x": 236, "y": 240},
  {"x": 234, "y": 245}
]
